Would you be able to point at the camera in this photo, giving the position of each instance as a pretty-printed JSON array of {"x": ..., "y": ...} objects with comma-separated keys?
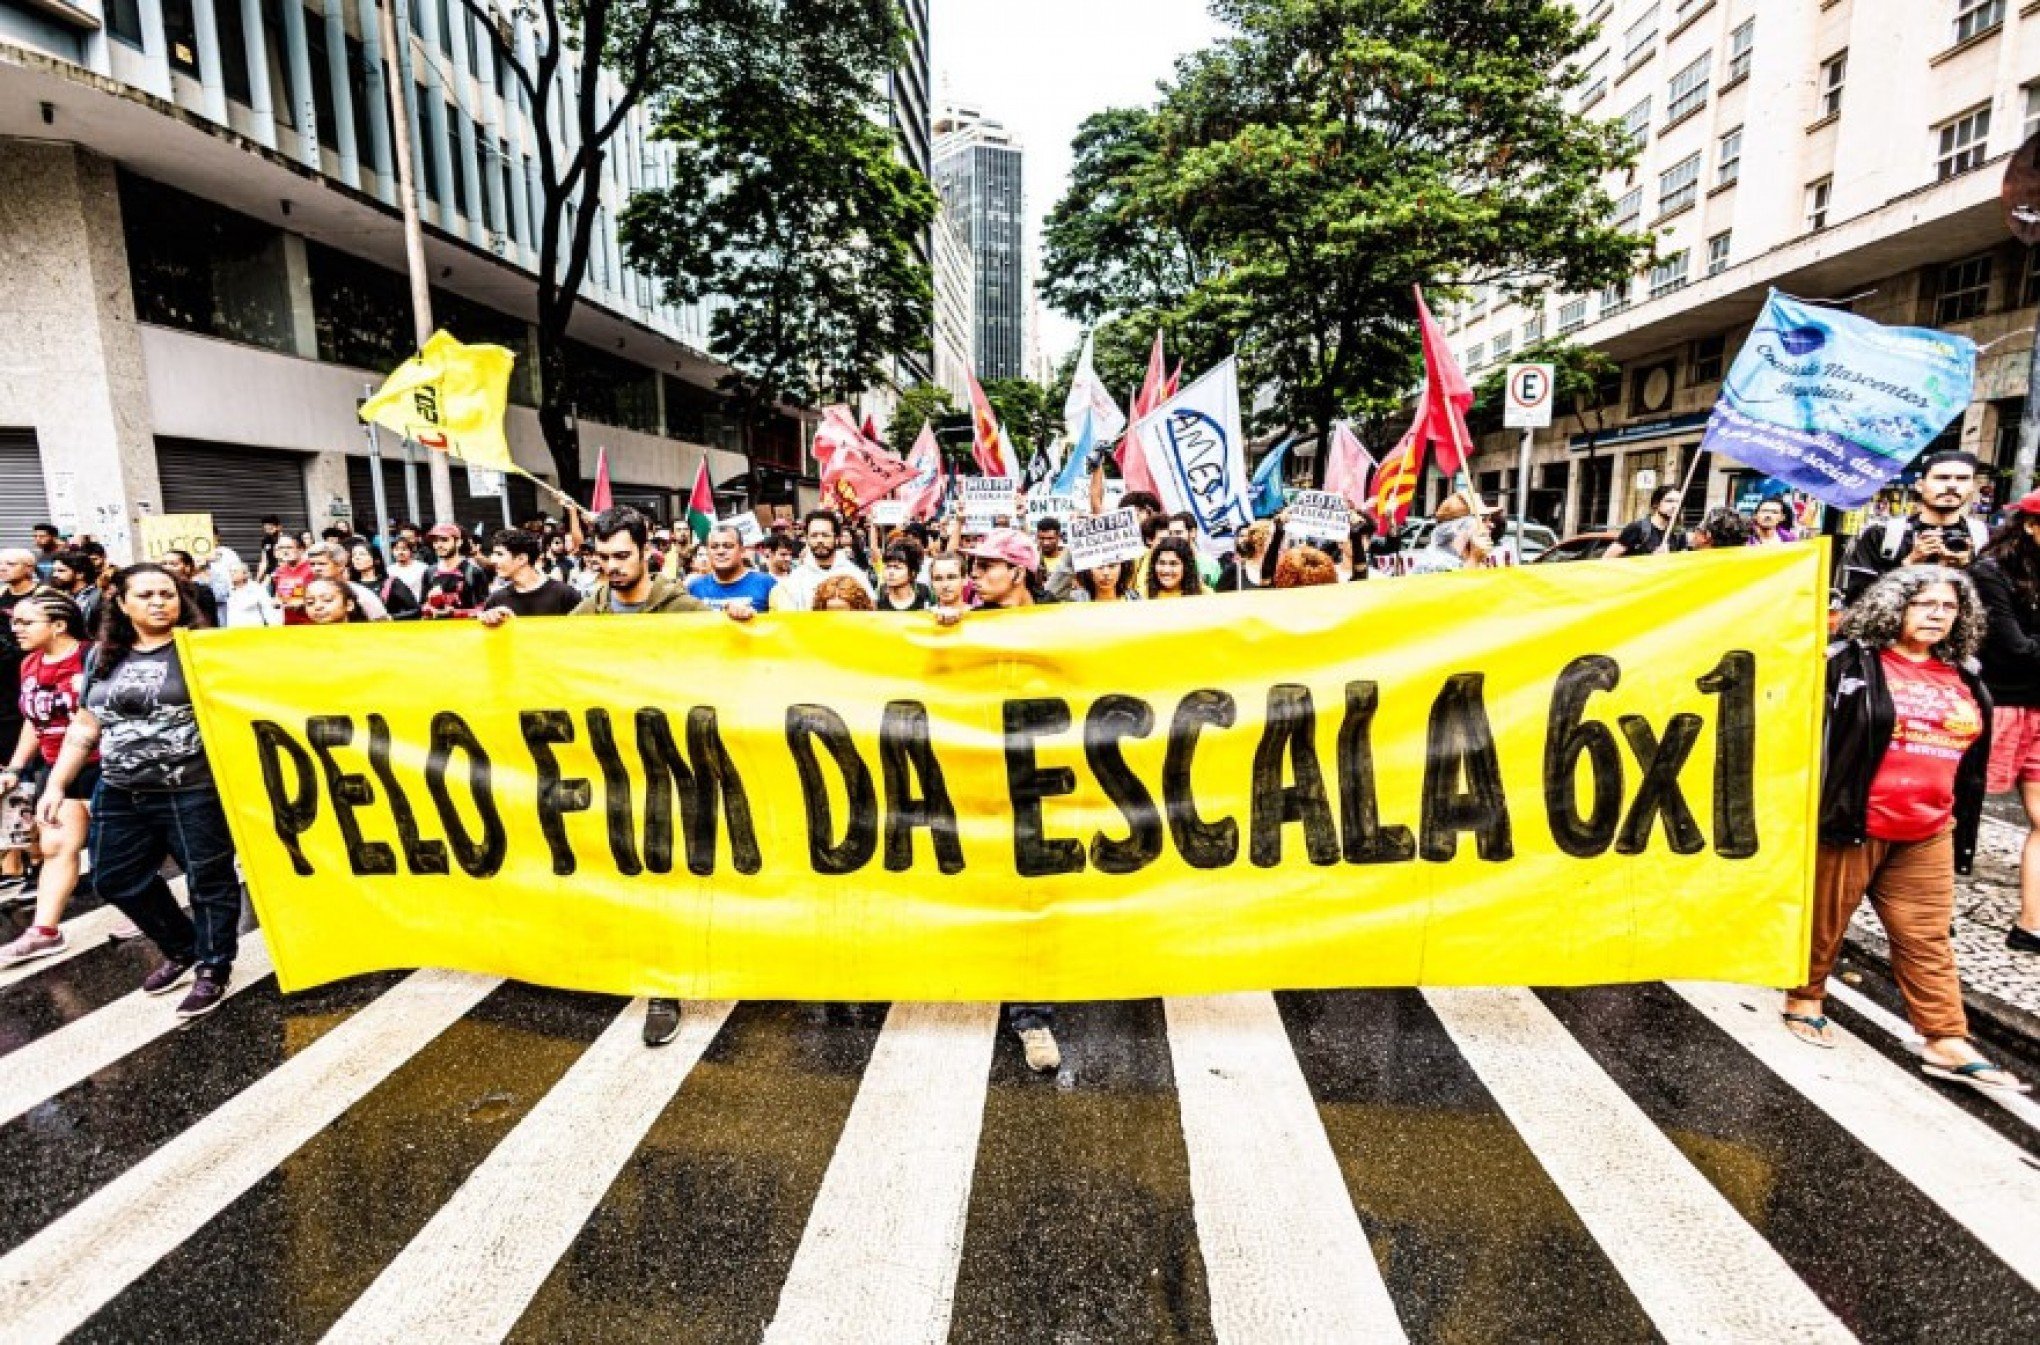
[{"x": 1954, "y": 539}]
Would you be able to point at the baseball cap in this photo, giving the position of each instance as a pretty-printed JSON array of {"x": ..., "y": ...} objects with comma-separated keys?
[
  {"x": 1463, "y": 502},
  {"x": 2028, "y": 503},
  {"x": 1007, "y": 544},
  {"x": 445, "y": 530}
]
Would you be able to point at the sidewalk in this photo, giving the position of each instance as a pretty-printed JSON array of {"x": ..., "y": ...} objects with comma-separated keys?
[{"x": 2001, "y": 987}]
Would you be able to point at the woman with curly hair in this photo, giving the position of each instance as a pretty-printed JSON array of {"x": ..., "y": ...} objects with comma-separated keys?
[
  {"x": 842, "y": 593},
  {"x": 1172, "y": 570},
  {"x": 1901, "y": 796},
  {"x": 1303, "y": 566}
]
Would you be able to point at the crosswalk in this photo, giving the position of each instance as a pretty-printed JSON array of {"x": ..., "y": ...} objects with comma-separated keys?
[{"x": 447, "y": 1157}]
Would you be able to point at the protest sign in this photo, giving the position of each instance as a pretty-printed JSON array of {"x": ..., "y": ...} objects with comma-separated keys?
[
  {"x": 1340, "y": 786},
  {"x": 1102, "y": 539},
  {"x": 1319, "y": 516},
  {"x": 1051, "y": 504},
  {"x": 889, "y": 513},
  {"x": 160, "y": 534},
  {"x": 746, "y": 524},
  {"x": 986, "y": 499}
]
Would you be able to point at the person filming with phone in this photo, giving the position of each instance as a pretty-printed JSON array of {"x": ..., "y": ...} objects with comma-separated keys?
[{"x": 1938, "y": 530}]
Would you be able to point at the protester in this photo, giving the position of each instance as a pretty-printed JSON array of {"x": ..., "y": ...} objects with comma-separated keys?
[
  {"x": 329, "y": 561},
  {"x": 1305, "y": 567},
  {"x": 1463, "y": 537},
  {"x": 946, "y": 581},
  {"x": 1183, "y": 527},
  {"x": 407, "y": 569},
  {"x": 181, "y": 565},
  {"x": 218, "y": 572},
  {"x": 1656, "y": 531},
  {"x": 899, "y": 586},
  {"x": 526, "y": 590},
  {"x": 559, "y": 561},
  {"x": 75, "y": 574},
  {"x": 1172, "y": 570},
  {"x": 1106, "y": 583},
  {"x": 289, "y": 572},
  {"x": 1938, "y": 530},
  {"x": 825, "y": 557},
  {"x": 455, "y": 586},
  {"x": 332, "y": 602},
  {"x": 2007, "y": 577},
  {"x": 17, "y": 581},
  {"x": 249, "y": 603},
  {"x": 366, "y": 568},
  {"x": 1769, "y": 524},
  {"x": 1721, "y": 528},
  {"x": 728, "y": 577},
  {"x": 1902, "y": 783},
  {"x": 1057, "y": 578},
  {"x": 1240, "y": 569},
  {"x": 266, "y": 559},
  {"x": 156, "y": 798},
  {"x": 51, "y": 631},
  {"x": 842, "y": 593},
  {"x": 779, "y": 555},
  {"x": 48, "y": 542}
]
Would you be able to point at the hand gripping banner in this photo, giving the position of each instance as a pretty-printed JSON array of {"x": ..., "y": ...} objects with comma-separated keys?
[{"x": 1552, "y": 775}]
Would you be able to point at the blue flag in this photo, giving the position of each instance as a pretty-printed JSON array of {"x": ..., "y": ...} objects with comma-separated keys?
[
  {"x": 1836, "y": 405},
  {"x": 1079, "y": 460},
  {"x": 1268, "y": 498}
]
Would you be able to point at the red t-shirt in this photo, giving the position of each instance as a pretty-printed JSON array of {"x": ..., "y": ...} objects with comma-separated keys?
[
  {"x": 49, "y": 696},
  {"x": 288, "y": 583},
  {"x": 1913, "y": 794}
]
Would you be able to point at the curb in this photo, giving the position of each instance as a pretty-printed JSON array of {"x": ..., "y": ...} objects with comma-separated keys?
[{"x": 1991, "y": 1018}]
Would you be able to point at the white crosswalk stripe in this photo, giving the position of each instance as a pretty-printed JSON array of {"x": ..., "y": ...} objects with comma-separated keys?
[
  {"x": 1700, "y": 1271},
  {"x": 81, "y": 935}
]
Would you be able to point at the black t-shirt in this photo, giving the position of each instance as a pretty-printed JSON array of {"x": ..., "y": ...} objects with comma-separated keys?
[
  {"x": 552, "y": 598},
  {"x": 924, "y": 601},
  {"x": 148, "y": 732},
  {"x": 1641, "y": 538},
  {"x": 10, "y": 657}
]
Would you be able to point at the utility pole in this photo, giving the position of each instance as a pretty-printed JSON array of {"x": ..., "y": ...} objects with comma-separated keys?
[{"x": 414, "y": 239}]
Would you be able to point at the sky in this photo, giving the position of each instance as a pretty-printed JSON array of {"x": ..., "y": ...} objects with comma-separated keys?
[{"x": 1042, "y": 66}]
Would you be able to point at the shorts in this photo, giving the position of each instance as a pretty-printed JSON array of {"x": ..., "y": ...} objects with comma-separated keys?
[
  {"x": 82, "y": 787},
  {"x": 2014, "y": 747}
]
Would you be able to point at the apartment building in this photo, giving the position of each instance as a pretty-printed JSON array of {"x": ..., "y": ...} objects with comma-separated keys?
[{"x": 1842, "y": 150}]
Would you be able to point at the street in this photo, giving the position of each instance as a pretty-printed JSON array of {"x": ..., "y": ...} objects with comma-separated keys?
[{"x": 440, "y": 1156}]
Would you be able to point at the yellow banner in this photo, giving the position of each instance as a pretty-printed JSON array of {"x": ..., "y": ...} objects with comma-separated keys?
[{"x": 1551, "y": 775}]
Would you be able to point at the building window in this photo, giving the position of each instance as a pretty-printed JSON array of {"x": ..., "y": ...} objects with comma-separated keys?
[
  {"x": 1476, "y": 355},
  {"x": 1818, "y": 194},
  {"x": 1717, "y": 254},
  {"x": 180, "y": 36},
  {"x": 1962, "y": 143},
  {"x": 1728, "y": 160},
  {"x": 124, "y": 21},
  {"x": 198, "y": 267},
  {"x": 1636, "y": 123},
  {"x": 1504, "y": 343},
  {"x": 2029, "y": 291},
  {"x": 1708, "y": 354},
  {"x": 1834, "y": 73},
  {"x": 1615, "y": 298},
  {"x": 1669, "y": 274},
  {"x": 1572, "y": 314},
  {"x": 1679, "y": 185},
  {"x": 1974, "y": 17},
  {"x": 1639, "y": 37},
  {"x": 1964, "y": 291},
  {"x": 1593, "y": 81},
  {"x": 1689, "y": 89},
  {"x": 1629, "y": 209},
  {"x": 2032, "y": 122},
  {"x": 1533, "y": 330},
  {"x": 1741, "y": 43}
]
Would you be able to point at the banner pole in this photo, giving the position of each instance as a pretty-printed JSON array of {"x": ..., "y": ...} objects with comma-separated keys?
[{"x": 1665, "y": 542}]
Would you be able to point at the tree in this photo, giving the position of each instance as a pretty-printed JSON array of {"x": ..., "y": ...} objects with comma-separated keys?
[
  {"x": 787, "y": 199},
  {"x": 928, "y": 403},
  {"x": 1580, "y": 375},
  {"x": 1024, "y": 413},
  {"x": 1293, "y": 182}
]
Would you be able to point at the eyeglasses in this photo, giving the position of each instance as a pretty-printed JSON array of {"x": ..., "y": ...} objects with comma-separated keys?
[{"x": 1933, "y": 605}]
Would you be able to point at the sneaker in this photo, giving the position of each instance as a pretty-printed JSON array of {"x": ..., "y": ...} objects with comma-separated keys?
[
  {"x": 208, "y": 992},
  {"x": 2022, "y": 940},
  {"x": 1043, "y": 1055},
  {"x": 662, "y": 1021},
  {"x": 31, "y": 945},
  {"x": 168, "y": 975},
  {"x": 126, "y": 931}
]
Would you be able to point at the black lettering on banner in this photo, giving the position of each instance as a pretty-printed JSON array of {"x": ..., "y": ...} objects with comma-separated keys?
[
  {"x": 1734, "y": 679},
  {"x": 292, "y": 812},
  {"x": 1291, "y": 729},
  {"x": 1035, "y": 854},
  {"x": 543, "y": 730},
  {"x": 1203, "y": 845},
  {"x": 1658, "y": 793},
  {"x": 710, "y": 783},
  {"x": 805, "y": 724},
  {"x": 1569, "y": 736},
  {"x": 1112, "y": 718},
  {"x": 905, "y": 754},
  {"x": 477, "y": 858},
  {"x": 615, "y": 795},
  {"x": 423, "y": 856},
  {"x": 1366, "y": 841},
  {"x": 349, "y": 791},
  {"x": 1461, "y": 743}
]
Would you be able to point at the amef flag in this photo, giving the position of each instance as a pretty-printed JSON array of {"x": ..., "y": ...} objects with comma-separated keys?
[
  {"x": 923, "y": 494},
  {"x": 856, "y": 472},
  {"x": 1196, "y": 454},
  {"x": 450, "y": 397},
  {"x": 1088, "y": 400},
  {"x": 601, "y": 499},
  {"x": 988, "y": 443},
  {"x": 1348, "y": 466},
  {"x": 1395, "y": 483},
  {"x": 701, "y": 503},
  {"x": 1441, "y": 412}
]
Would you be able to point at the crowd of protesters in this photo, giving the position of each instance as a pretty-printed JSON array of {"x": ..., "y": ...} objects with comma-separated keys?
[{"x": 1918, "y": 729}]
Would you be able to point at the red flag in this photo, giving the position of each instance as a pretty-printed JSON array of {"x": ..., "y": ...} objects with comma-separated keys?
[
  {"x": 1153, "y": 392},
  {"x": 1347, "y": 466},
  {"x": 1174, "y": 384},
  {"x": 1395, "y": 482},
  {"x": 988, "y": 443},
  {"x": 923, "y": 495},
  {"x": 856, "y": 472},
  {"x": 871, "y": 429},
  {"x": 1441, "y": 414},
  {"x": 701, "y": 503},
  {"x": 601, "y": 499}
]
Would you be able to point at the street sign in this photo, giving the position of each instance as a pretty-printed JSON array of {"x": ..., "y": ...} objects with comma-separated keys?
[{"x": 1528, "y": 402}]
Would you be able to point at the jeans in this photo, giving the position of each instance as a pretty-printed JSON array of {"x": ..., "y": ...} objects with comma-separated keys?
[
  {"x": 1027, "y": 1017},
  {"x": 132, "y": 832}
]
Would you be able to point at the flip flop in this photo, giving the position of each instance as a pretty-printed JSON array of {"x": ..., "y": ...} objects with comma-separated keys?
[
  {"x": 1971, "y": 1075},
  {"x": 1817, "y": 1022}
]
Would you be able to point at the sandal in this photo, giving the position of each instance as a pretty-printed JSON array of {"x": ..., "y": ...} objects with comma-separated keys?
[
  {"x": 1818, "y": 1029},
  {"x": 1971, "y": 1075}
]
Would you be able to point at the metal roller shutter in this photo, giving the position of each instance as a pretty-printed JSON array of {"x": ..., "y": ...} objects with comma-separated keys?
[
  {"x": 654, "y": 502},
  {"x": 467, "y": 510},
  {"x": 23, "y": 502},
  {"x": 237, "y": 486}
]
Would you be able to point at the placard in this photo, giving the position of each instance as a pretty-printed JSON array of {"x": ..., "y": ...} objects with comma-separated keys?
[
  {"x": 889, "y": 513},
  {"x": 484, "y": 483},
  {"x": 1102, "y": 539},
  {"x": 986, "y": 499},
  {"x": 161, "y": 534},
  {"x": 1051, "y": 505},
  {"x": 746, "y": 524},
  {"x": 1319, "y": 516}
]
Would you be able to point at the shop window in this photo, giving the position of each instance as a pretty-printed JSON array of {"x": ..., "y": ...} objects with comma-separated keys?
[{"x": 201, "y": 268}]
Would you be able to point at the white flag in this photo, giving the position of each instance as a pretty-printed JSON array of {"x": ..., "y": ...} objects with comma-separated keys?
[
  {"x": 1196, "y": 453},
  {"x": 1087, "y": 394}
]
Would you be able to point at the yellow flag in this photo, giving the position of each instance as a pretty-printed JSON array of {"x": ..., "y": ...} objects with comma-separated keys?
[{"x": 450, "y": 397}]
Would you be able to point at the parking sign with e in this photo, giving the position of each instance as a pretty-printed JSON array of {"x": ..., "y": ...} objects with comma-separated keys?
[{"x": 1528, "y": 402}]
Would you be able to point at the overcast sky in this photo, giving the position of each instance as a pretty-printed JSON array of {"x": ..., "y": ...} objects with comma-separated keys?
[{"x": 1042, "y": 66}]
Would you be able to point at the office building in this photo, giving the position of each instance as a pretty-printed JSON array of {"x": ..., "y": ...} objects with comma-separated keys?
[{"x": 977, "y": 173}]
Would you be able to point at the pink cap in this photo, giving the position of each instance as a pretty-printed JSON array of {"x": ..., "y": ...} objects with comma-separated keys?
[{"x": 1007, "y": 544}]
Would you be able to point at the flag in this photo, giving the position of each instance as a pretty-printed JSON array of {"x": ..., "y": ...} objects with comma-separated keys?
[
  {"x": 1040, "y": 471},
  {"x": 1151, "y": 395},
  {"x": 1088, "y": 400},
  {"x": 1348, "y": 466},
  {"x": 870, "y": 429},
  {"x": 1268, "y": 497},
  {"x": 1441, "y": 412},
  {"x": 450, "y": 397},
  {"x": 701, "y": 503},
  {"x": 923, "y": 494},
  {"x": 857, "y": 472},
  {"x": 601, "y": 499},
  {"x": 988, "y": 442},
  {"x": 1395, "y": 482},
  {"x": 1175, "y": 382},
  {"x": 1072, "y": 474},
  {"x": 1195, "y": 452}
]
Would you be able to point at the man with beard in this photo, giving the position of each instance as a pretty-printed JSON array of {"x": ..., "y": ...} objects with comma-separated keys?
[
  {"x": 1938, "y": 530},
  {"x": 825, "y": 557}
]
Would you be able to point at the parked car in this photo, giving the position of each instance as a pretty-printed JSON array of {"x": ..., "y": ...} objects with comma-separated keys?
[
  {"x": 1579, "y": 546},
  {"x": 1536, "y": 539}
]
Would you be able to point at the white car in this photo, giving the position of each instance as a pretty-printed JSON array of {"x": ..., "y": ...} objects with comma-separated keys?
[{"x": 1536, "y": 539}]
